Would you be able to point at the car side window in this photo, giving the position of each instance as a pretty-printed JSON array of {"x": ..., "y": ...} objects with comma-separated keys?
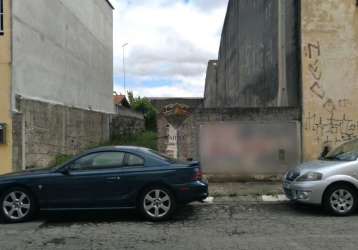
[
  {"x": 133, "y": 160},
  {"x": 99, "y": 160}
]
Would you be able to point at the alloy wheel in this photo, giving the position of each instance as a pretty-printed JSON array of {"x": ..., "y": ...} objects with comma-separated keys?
[
  {"x": 16, "y": 205},
  {"x": 342, "y": 201},
  {"x": 157, "y": 203}
]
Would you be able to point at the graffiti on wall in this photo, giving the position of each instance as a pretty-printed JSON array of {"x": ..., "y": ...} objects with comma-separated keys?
[{"x": 333, "y": 125}]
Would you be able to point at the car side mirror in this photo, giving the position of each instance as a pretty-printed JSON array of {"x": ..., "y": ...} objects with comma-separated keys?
[{"x": 65, "y": 171}]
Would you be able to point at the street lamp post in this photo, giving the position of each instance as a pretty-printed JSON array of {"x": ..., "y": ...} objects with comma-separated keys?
[{"x": 124, "y": 66}]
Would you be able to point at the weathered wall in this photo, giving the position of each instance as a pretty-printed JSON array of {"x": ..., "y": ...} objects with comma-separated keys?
[
  {"x": 51, "y": 130},
  {"x": 250, "y": 63},
  {"x": 160, "y": 102},
  {"x": 63, "y": 52},
  {"x": 42, "y": 131},
  {"x": 330, "y": 73},
  {"x": 5, "y": 89},
  {"x": 188, "y": 133},
  {"x": 127, "y": 122}
]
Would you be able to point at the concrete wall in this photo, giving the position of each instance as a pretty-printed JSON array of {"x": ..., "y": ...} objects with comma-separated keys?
[
  {"x": 252, "y": 71},
  {"x": 42, "y": 131},
  {"x": 188, "y": 133},
  {"x": 127, "y": 122},
  {"x": 330, "y": 73},
  {"x": 5, "y": 89},
  {"x": 63, "y": 52}
]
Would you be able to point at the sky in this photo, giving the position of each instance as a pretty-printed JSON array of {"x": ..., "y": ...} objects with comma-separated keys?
[{"x": 169, "y": 45}]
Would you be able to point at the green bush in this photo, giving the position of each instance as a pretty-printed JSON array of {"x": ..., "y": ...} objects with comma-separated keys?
[
  {"x": 146, "y": 139},
  {"x": 144, "y": 106}
]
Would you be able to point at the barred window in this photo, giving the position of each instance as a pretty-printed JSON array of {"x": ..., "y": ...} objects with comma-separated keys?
[{"x": 1, "y": 17}]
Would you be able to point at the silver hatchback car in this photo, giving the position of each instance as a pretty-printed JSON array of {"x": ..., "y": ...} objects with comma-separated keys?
[{"x": 331, "y": 181}]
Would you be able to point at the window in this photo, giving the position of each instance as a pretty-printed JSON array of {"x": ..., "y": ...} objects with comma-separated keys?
[
  {"x": 1, "y": 17},
  {"x": 133, "y": 160},
  {"x": 99, "y": 160}
]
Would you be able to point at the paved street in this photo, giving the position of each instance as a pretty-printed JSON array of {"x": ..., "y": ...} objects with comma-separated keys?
[{"x": 229, "y": 225}]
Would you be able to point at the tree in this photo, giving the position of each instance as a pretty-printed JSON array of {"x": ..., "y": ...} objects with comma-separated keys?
[{"x": 144, "y": 106}]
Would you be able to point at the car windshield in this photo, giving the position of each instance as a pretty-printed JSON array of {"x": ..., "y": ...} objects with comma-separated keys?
[{"x": 345, "y": 152}]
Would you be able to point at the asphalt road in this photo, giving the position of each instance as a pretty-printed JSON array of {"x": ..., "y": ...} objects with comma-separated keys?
[{"x": 229, "y": 225}]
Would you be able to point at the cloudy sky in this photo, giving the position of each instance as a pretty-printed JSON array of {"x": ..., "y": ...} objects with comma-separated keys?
[{"x": 169, "y": 44}]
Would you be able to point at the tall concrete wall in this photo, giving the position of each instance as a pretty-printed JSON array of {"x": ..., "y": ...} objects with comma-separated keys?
[
  {"x": 63, "y": 52},
  {"x": 330, "y": 73},
  {"x": 251, "y": 58}
]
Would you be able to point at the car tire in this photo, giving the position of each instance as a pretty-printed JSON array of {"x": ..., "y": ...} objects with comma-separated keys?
[
  {"x": 340, "y": 200},
  {"x": 17, "y": 205},
  {"x": 157, "y": 203}
]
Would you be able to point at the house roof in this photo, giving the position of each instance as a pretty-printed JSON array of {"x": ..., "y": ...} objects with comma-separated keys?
[{"x": 121, "y": 100}]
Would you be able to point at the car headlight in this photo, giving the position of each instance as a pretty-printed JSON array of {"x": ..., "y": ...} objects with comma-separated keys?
[{"x": 310, "y": 176}]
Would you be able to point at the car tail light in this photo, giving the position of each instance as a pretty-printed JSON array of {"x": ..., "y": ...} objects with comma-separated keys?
[{"x": 198, "y": 175}]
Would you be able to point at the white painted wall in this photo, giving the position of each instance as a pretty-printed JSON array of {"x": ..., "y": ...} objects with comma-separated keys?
[{"x": 63, "y": 52}]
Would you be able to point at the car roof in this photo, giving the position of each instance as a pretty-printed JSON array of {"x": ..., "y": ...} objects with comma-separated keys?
[{"x": 118, "y": 148}]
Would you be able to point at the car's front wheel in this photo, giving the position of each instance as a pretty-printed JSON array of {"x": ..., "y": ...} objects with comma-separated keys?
[
  {"x": 17, "y": 205},
  {"x": 340, "y": 200},
  {"x": 157, "y": 203}
]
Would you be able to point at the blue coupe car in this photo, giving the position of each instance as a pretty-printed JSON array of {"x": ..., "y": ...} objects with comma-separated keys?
[{"x": 105, "y": 178}]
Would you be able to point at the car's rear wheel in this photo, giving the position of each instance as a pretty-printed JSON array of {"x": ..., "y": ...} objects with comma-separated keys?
[
  {"x": 17, "y": 205},
  {"x": 340, "y": 200},
  {"x": 157, "y": 203}
]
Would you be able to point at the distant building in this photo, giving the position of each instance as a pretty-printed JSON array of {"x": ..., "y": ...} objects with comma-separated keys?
[
  {"x": 56, "y": 75},
  {"x": 120, "y": 102}
]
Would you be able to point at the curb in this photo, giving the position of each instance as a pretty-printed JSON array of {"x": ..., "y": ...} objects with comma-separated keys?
[{"x": 257, "y": 198}]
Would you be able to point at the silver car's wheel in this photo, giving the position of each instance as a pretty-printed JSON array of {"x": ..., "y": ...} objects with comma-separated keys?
[
  {"x": 16, "y": 205},
  {"x": 342, "y": 201},
  {"x": 157, "y": 203}
]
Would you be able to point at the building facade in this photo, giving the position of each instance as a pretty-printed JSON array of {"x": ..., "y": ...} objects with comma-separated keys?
[
  {"x": 258, "y": 57},
  {"x": 56, "y": 79}
]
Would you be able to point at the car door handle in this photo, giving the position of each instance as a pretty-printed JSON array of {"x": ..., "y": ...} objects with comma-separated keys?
[{"x": 114, "y": 178}]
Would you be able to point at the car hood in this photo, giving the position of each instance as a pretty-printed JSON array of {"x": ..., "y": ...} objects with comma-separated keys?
[
  {"x": 25, "y": 173},
  {"x": 320, "y": 165}
]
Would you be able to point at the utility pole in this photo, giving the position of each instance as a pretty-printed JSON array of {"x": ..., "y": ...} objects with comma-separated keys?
[{"x": 124, "y": 66}]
